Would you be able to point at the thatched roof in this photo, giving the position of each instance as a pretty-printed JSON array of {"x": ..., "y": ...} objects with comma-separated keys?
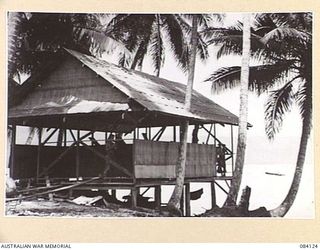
[{"x": 83, "y": 86}]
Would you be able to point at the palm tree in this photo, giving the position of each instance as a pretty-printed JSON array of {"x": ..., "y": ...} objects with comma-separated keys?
[
  {"x": 146, "y": 35},
  {"x": 174, "y": 202},
  {"x": 202, "y": 21},
  {"x": 243, "y": 115},
  {"x": 283, "y": 43},
  {"x": 35, "y": 36}
]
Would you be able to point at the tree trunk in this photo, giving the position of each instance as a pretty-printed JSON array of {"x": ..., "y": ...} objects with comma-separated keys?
[
  {"x": 174, "y": 202},
  {"x": 284, "y": 207},
  {"x": 243, "y": 114}
]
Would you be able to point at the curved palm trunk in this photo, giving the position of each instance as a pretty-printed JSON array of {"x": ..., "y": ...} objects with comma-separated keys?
[
  {"x": 174, "y": 202},
  {"x": 243, "y": 114},
  {"x": 284, "y": 207}
]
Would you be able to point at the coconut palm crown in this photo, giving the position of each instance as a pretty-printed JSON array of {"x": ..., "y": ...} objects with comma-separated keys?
[
  {"x": 282, "y": 43},
  {"x": 35, "y": 37},
  {"x": 148, "y": 34}
]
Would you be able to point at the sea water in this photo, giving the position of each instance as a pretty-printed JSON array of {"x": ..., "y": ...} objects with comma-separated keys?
[{"x": 269, "y": 186}]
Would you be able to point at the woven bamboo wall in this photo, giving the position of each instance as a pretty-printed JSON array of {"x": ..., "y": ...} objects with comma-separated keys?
[
  {"x": 25, "y": 165},
  {"x": 158, "y": 159}
]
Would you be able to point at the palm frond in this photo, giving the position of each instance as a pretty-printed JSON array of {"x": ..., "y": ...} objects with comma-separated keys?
[
  {"x": 156, "y": 49},
  {"x": 16, "y": 42},
  {"x": 124, "y": 59},
  {"x": 175, "y": 37},
  {"x": 304, "y": 100},
  {"x": 202, "y": 49},
  {"x": 279, "y": 103},
  {"x": 261, "y": 77},
  {"x": 282, "y": 33},
  {"x": 230, "y": 41},
  {"x": 224, "y": 78}
]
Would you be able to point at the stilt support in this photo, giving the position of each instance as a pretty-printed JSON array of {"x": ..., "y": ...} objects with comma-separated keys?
[
  {"x": 134, "y": 196},
  {"x": 12, "y": 154},
  {"x": 213, "y": 195},
  {"x": 157, "y": 197},
  {"x": 114, "y": 193},
  {"x": 182, "y": 202},
  {"x": 188, "y": 207}
]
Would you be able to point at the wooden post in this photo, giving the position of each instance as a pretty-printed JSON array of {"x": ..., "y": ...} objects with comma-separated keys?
[
  {"x": 174, "y": 134},
  {"x": 213, "y": 195},
  {"x": 49, "y": 185},
  {"x": 92, "y": 135},
  {"x": 215, "y": 135},
  {"x": 39, "y": 153},
  {"x": 70, "y": 193},
  {"x": 134, "y": 196},
  {"x": 188, "y": 207},
  {"x": 209, "y": 133},
  {"x": 78, "y": 155},
  {"x": 114, "y": 193},
  {"x": 13, "y": 144},
  {"x": 65, "y": 137},
  {"x": 146, "y": 133},
  {"x": 106, "y": 158},
  {"x": 232, "y": 149},
  {"x": 157, "y": 196},
  {"x": 182, "y": 203}
]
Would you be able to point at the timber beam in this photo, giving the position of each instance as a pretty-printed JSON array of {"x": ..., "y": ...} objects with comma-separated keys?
[{"x": 52, "y": 164}]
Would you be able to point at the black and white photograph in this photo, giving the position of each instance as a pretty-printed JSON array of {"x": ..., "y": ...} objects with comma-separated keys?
[{"x": 202, "y": 115}]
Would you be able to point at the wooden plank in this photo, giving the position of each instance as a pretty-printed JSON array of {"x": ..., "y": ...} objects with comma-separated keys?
[
  {"x": 54, "y": 190},
  {"x": 155, "y": 171},
  {"x": 49, "y": 137},
  {"x": 221, "y": 188}
]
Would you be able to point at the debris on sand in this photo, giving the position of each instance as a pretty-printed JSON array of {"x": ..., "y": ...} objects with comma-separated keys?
[{"x": 44, "y": 208}]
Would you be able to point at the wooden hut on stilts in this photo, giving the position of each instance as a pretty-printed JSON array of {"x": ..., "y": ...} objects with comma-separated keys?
[{"x": 112, "y": 120}]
